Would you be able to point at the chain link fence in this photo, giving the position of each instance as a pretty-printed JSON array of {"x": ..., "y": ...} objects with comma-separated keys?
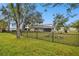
[{"x": 64, "y": 38}]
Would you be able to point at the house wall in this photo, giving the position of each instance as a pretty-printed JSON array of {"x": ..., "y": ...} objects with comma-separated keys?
[
  {"x": 47, "y": 29},
  {"x": 72, "y": 29},
  {"x": 35, "y": 29},
  {"x": 12, "y": 25},
  {"x": 41, "y": 29}
]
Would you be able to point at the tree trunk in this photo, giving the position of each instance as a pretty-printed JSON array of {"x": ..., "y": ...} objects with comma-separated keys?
[
  {"x": 18, "y": 33},
  {"x": 52, "y": 33},
  {"x": 8, "y": 25},
  {"x": 78, "y": 29},
  {"x": 0, "y": 30},
  {"x": 23, "y": 27}
]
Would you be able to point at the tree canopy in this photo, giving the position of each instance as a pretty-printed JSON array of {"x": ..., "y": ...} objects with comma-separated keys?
[
  {"x": 75, "y": 25},
  {"x": 3, "y": 25},
  {"x": 59, "y": 21}
]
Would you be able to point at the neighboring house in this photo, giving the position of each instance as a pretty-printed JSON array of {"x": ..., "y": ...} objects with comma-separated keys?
[
  {"x": 61, "y": 30},
  {"x": 72, "y": 29},
  {"x": 42, "y": 27}
]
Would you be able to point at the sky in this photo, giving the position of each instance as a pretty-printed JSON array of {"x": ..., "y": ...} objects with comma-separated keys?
[{"x": 48, "y": 15}]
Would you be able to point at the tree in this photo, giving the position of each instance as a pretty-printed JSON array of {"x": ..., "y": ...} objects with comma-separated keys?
[
  {"x": 34, "y": 18},
  {"x": 3, "y": 25},
  {"x": 20, "y": 13},
  {"x": 15, "y": 13},
  {"x": 59, "y": 21},
  {"x": 6, "y": 15},
  {"x": 30, "y": 15},
  {"x": 69, "y": 8},
  {"x": 76, "y": 25},
  {"x": 66, "y": 27}
]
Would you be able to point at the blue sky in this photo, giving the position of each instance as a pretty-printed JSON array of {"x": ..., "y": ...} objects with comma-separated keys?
[{"x": 48, "y": 16}]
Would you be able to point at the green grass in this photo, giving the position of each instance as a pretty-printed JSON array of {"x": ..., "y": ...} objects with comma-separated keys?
[{"x": 11, "y": 46}]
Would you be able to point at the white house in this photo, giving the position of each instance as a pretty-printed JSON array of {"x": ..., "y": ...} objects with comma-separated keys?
[
  {"x": 71, "y": 29},
  {"x": 12, "y": 25}
]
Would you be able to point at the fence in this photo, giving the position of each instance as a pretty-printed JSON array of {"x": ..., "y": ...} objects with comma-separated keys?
[{"x": 64, "y": 38}]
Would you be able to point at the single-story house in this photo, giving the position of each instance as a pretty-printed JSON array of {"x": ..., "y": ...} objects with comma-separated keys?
[{"x": 40, "y": 27}]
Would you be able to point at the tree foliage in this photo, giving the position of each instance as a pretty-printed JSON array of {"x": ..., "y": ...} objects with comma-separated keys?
[
  {"x": 22, "y": 14},
  {"x": 3, "y": 25},
  {"x": 75, "y": 25},
  {"x": 59, "y": 21}
]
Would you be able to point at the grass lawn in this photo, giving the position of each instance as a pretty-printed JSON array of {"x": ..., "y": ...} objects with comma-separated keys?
[{"x": 11, "y": 46}]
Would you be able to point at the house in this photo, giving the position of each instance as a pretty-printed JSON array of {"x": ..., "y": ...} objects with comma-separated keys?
[
  {"x": 71, "y": 29},
  {"x": 12, "y": 25},
  {"x": 42, "y": 27}
]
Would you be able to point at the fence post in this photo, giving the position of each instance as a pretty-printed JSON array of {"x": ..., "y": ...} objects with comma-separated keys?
[
  {"x": 27, "y": 33},
  {"x": 53, "y": 36},
  {"x": 37, "y": 33},
  {"x": 27, "y": 30},
  {"x": 52, "y": 31}
]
